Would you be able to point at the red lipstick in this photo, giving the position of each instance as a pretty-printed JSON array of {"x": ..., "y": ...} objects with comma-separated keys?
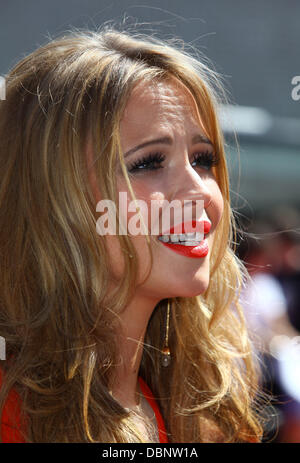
[
  {"x": 201, "y": 249},
  {"x": 200, "y": 226}
]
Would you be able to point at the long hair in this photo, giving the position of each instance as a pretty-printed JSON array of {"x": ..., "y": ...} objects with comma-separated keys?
[{"x": 57, "y": 314}]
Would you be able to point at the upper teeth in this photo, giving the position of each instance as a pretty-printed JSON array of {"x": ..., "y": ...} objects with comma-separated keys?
[{"x": 190, "y": 237}]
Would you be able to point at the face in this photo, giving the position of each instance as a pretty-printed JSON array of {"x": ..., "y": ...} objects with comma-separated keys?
[{"x": 178, "y": 163}]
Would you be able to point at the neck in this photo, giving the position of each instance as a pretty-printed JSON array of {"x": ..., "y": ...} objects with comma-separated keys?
[{"x": 134, "y": 322}]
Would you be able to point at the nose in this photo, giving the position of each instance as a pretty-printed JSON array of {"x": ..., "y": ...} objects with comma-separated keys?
[{"x": 190, "y": 186}]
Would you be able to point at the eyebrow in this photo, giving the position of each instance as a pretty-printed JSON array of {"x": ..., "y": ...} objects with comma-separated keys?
[{"x": 167, "y": 141}]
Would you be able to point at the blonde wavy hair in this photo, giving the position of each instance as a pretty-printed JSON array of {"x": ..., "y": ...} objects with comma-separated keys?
[{"x": 56, "y": 313}]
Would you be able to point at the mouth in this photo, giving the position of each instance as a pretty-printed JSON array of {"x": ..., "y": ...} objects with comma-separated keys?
[{"x": 182, "y": 240}]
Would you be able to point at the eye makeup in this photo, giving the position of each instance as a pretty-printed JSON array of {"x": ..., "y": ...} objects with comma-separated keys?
[
  {"x": 153, "y": 161},
  {"x": 206, "y": 159}
]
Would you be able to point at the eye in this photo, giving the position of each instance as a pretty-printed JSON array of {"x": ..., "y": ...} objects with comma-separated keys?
[
  {"x": 151, "y": 161},
  {"x": 206, "y": 160}
]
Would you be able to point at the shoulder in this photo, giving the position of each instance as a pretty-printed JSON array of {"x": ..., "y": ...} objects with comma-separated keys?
[{"x": 11, "y": 417}]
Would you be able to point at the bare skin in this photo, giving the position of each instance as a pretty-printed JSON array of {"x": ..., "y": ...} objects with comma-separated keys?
[{"x": 155, "y": 111}]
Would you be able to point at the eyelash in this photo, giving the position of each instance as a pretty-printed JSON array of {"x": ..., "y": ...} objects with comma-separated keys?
[{"x": 207, "y": 158}]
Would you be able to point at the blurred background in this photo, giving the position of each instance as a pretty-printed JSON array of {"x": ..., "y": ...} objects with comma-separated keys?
[{"x": 255, "y": 46}]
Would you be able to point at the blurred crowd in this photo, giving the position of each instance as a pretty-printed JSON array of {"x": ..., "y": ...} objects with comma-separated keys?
[{"x": 270, "y": 249}]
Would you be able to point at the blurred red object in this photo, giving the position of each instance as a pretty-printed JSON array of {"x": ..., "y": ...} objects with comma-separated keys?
[{"x": 290, "y": 431}]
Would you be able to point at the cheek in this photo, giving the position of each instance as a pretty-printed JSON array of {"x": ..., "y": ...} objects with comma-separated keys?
[
  {"x": 216, "y": 207},
  {"x": 219, "y": 204},
  {"x": 128, "y": 209},
  {"x": 130, "y": 222}
]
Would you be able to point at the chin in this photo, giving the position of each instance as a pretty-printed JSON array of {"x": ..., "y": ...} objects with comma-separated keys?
[
  {"x": 190, "y": 288},
  {"x": 195, "y": 291}
]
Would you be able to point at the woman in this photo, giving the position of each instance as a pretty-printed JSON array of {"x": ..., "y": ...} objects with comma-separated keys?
[{"x": 117, "y": 338}]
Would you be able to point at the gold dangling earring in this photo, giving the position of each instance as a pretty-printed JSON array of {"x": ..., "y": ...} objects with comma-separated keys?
[{"x": 166, "y": 354}]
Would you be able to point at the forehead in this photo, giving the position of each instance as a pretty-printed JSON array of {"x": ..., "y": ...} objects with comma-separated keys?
[{"x": 159, "y": 104}]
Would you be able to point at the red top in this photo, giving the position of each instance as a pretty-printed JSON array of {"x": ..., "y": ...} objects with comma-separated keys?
[
  {"x": 11, "y": 421},
  {"x": 163, "y": 439}
]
